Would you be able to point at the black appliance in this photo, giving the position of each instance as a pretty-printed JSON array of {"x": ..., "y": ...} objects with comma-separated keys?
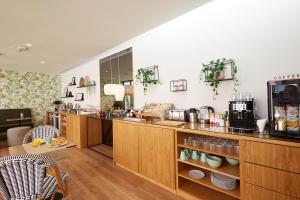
[
  {"x": 241, "y": 116},
  {"x": 283, "y": 107}
]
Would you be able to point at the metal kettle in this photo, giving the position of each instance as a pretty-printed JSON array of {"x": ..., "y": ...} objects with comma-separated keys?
[
  {"x": 205, "y": 112},
  {"x": 193, "y": 115}
]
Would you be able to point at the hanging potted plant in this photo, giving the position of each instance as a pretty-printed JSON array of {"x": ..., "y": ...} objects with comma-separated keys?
[
  {"x": 214, "y": 72},
  {"x": 147, "y": 76}
]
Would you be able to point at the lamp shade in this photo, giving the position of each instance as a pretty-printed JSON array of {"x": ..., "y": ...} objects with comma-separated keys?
[
  {"x": 109, "y": 89},
  {"x": 119, "y": 92}
]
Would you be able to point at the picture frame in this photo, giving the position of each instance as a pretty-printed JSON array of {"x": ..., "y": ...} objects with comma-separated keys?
[
  {"x": 178, "y": 85},
  {"x": 79, "y": 97}
]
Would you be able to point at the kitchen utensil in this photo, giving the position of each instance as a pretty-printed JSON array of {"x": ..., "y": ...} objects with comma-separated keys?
[
  {"x": 214, "y": 161},
  {"x": 178, "y": 115},
  {"x": 193, "y": 115},
  {"x": 196, "y": 174},
  {"x": 205, "y": 112},
  {"x": 232, "y": 161}
]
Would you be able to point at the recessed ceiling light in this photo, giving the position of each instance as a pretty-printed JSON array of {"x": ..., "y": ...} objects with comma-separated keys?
[
  {"x": 106, "y": 71},
  {"x": 43, "y": 62},
  {"x": 28, "y": 44}
]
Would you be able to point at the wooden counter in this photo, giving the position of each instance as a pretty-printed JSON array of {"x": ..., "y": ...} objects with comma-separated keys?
[{"x": 269, "y": 166}]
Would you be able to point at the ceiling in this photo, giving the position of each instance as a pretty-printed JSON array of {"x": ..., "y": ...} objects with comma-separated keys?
[{"x": 66, "y": 33}]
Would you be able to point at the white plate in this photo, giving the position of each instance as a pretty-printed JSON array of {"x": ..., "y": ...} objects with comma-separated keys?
[{"x": 197, "y": 174}]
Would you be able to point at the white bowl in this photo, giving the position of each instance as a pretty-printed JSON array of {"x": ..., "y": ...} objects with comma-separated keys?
[
  {"x": 214, "y": 161},
  {"x": 232, "y": 161}
]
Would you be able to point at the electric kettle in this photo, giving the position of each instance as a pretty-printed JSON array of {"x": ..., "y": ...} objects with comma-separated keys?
[{"x": 205, "y": 112}]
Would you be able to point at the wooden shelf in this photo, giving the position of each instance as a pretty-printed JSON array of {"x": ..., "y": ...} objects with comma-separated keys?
[
  {"x": 68, "y": 97},
  {"x": 225, "y": 169},
  {"x": 92, "y": 85},
  {"x": 207, "y": 183},
  {"x": 233, "y": 155},
  {"x": 194, "y": 191}
]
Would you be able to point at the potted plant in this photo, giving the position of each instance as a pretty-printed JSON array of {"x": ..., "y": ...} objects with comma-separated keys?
[
  {"x": 213, "y": 73},
  {"x": 57, "y": 103},
  {"x": 146, "y": 76}
]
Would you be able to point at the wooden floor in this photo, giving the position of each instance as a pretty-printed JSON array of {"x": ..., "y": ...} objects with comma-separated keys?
[
  {"x": 104, "y": 149},
  {"x": 93, "y": 176}
]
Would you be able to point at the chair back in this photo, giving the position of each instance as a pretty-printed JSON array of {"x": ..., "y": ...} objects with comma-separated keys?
[
  {"x": 41, "y": 132},
  {"x": 22, "y": 176}
]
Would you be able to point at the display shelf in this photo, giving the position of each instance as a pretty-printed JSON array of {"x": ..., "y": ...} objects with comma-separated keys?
[
  {"x": 233, "y": 155},
  {"x": 68, "y": 97},
  {"x": 193, "y": 191},
  {"x": 225, "y": 169},
  {"x": 207, "y": 183},
  {"x": 90, "y": 85}
]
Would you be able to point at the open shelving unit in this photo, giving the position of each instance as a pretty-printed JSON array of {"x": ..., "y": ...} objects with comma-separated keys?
[{"x": 191, "y": 188}]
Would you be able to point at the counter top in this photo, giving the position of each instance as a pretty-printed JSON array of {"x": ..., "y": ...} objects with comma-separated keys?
[{"x": 218, "y": 131}]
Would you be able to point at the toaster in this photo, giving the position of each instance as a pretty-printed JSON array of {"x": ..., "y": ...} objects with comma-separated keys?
[{"x": 178, "y": 115}]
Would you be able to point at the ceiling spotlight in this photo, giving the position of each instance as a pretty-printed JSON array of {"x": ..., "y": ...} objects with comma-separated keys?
[
  {"x": 28, "y": 44},
  {"x": 43, "y": 62}
]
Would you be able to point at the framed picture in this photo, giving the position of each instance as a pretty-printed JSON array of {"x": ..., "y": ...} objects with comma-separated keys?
[
  {"x": 79, "y": 97},
  {"x": 66, "y": 93},
  {"x": 178, "y": 85}
]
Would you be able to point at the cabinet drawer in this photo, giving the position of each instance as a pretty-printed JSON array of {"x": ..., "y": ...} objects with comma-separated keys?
[
  {"x": 253, "y": 192},
  {"x": 271, "y": 155},
  {"x": 277, "y": 180}
]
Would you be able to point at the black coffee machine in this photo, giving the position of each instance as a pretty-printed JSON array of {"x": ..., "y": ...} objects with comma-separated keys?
[{"x": 241, "y": 116}]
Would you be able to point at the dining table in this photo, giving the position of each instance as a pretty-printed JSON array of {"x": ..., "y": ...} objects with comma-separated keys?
[{"x": 56, "y": 153}]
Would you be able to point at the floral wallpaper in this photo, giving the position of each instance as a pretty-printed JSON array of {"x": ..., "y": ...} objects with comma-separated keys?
[{"x": 29, "y": 90}]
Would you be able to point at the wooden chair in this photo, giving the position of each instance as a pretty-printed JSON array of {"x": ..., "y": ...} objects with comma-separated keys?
[
  {"x": 41, "y": 132},
  {"x": 24, "y": 176}
]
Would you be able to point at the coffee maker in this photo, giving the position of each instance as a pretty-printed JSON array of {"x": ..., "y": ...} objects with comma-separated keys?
[{"x": 241, "y": 116}]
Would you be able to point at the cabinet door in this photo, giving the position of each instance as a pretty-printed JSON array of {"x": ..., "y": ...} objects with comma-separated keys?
[
  {"x": 253, "y": 192},
  {"x": 69, "y": 129},
  {"x": 126, "y": 138},
  {"x": 157, "y": 155},
  {"x": 277, "y": 180},
  {"x": 271, "y": 155},
  {"x": 94, "y": 131}
]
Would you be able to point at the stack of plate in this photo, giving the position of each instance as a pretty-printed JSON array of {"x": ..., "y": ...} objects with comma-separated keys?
[{"x": 223, "y": 182}]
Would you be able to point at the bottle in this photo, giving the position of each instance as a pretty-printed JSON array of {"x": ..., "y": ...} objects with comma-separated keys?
[
  {"x": 222, "y": 120},
  {"x": 227, "y": 119}
]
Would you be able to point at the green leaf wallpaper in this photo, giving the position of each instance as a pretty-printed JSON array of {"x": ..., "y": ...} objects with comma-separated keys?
[{"x": 29, "y": 90}]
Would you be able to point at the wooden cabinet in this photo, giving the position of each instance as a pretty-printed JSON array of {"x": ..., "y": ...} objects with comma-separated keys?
[
  {"x": 147, "y": 150},
  {"x": 253, "y": 192},
  {"x": 76, "y": 130},
  {"x": 51, "y": 118},
  {"x": 271, "y": 155},
  {"x": 270, "y": 170},
  {"x": 273, "y": 179},
  {"x": 157, "y": 155},
  {"x": 126, "y": 145},
  {"x": 94, "y": 132}
]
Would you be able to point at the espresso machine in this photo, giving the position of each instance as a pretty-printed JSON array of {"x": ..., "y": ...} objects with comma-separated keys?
[{"x": 241, "y": 116}]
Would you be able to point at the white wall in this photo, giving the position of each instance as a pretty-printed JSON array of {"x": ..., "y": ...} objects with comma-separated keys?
[{"x": 262, "y": 36}]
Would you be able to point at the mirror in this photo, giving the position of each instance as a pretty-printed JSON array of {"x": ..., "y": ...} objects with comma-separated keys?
[{"x": 117, "y": 69}]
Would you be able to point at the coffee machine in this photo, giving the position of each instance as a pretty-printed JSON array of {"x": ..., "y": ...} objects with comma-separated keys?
[{"x": 241, "y": 116}]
